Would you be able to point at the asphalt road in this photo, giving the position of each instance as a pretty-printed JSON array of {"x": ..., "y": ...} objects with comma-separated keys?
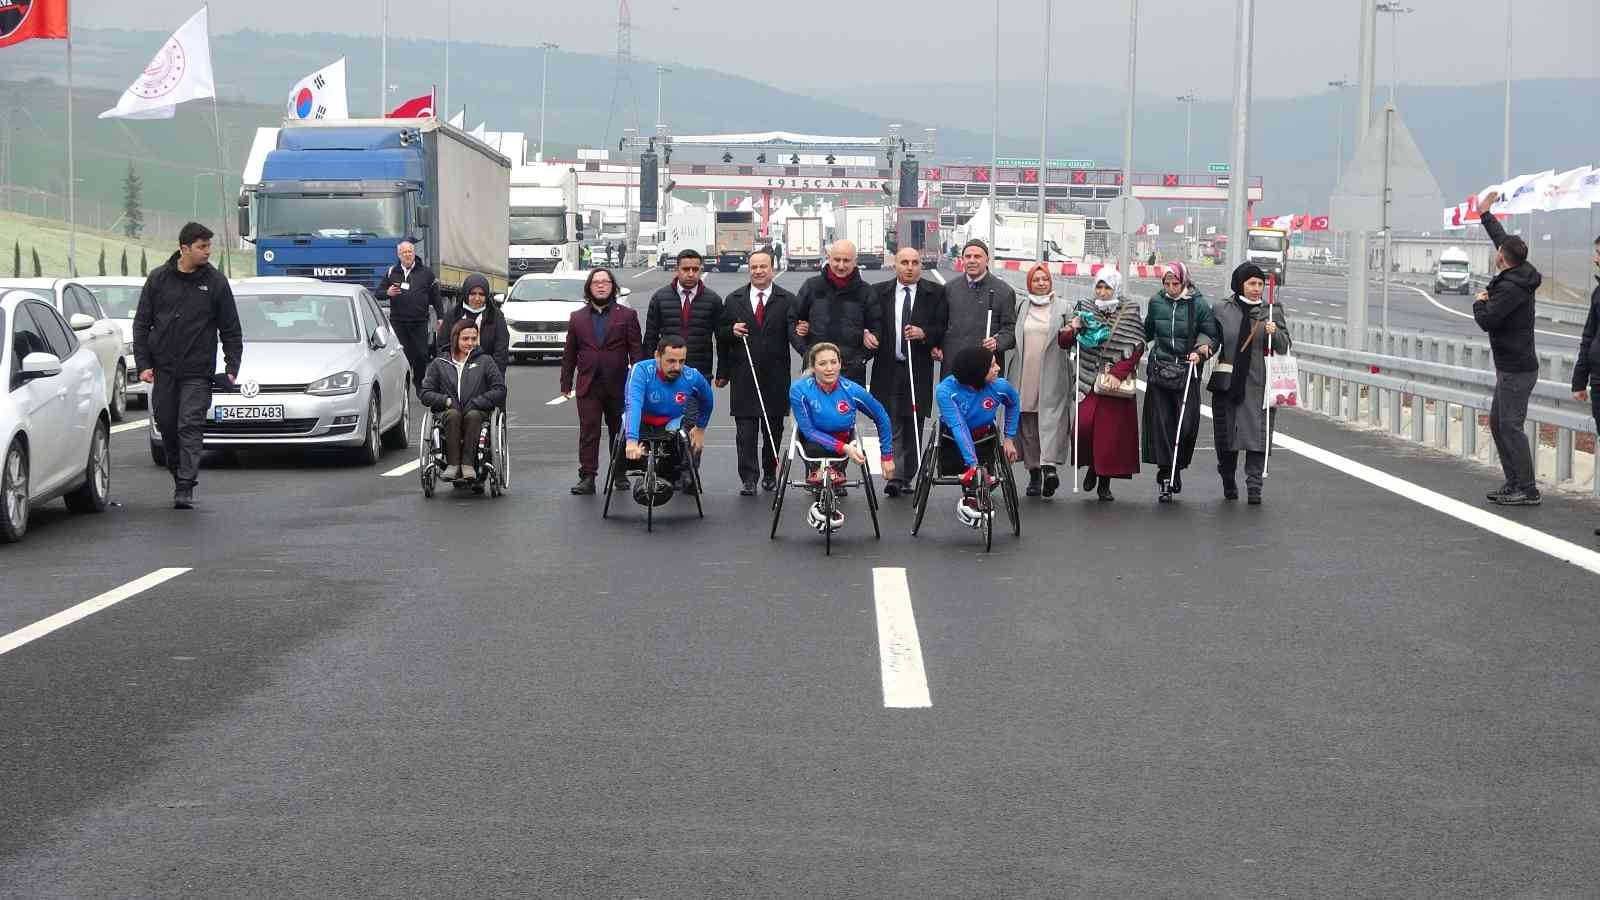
[{"x": 356, "y": 691}]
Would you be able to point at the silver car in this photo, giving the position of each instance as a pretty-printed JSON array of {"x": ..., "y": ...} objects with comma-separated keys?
[{"x": 321, "y": 368}]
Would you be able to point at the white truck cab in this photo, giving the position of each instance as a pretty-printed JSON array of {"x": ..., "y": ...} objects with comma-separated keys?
[{"x": 1453, "y": 274}]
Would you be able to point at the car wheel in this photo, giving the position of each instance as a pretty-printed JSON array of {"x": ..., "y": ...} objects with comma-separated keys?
[
  {"x": 119, "y": 395},
  {"x": 372, "y": 445},
  {"x": 158, "y": 454},
  {"x": 95, "y": 493},
  {"x": 399, "y": 437},
  {"x": 14, "y": 494}
]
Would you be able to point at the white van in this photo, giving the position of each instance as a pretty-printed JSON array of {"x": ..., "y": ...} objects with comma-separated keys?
[{"x": 1452, "y": 274}]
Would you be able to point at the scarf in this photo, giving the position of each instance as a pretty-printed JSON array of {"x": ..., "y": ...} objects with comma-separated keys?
[
  {"x": 1123, "y": 337},
  {"x": 838, "y": 283},
  {"x": 1252, "y": 314}
]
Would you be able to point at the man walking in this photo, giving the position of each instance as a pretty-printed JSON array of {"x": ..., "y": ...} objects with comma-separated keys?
[
  {"x": 1586, "y": 374},
  {"x": 837, "y": 307},
  {"x": 686, "y": 308},
  {"x": 602, "y": 342},
  {"x": 915, "y": 314},
  {"x": 977, "y": 298},
  {"x": 1505, "y": 311},
  {"x": 412, "y": 291},
  {"x": 757, "y": 316},
  {"x": 185, "y": 307}
]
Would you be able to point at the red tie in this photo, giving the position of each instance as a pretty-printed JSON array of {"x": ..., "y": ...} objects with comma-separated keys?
[
  {"x": 688, "y": 301},
  {"x": 761, "y": 307}
]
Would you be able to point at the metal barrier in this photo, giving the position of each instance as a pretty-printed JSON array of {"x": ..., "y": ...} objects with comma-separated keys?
[
  {"x": 1469, "y": 353},
  {"x": 1381, "y": 390}
]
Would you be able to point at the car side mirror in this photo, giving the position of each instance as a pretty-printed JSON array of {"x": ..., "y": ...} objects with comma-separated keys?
[
  {"x": 378, "y": 341},
  {"x": 244, "y": 222},
  {"x": 625, "y": 292},
  {"x": 422, "y": 216},
  {"x": 41, "y": 365},
  {"x": 80, "y": 321}
]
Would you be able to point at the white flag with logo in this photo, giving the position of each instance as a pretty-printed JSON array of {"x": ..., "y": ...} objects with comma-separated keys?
[
  {"x": 180, "y": 71},
  {"x": 320, "y": 95},
  {"x": 1520, "y": 195},
  {"x": 1566, "y": 189},
  {"x": 1590, "y": 186}
]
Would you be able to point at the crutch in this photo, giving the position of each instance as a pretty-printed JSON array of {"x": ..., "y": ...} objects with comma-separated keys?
[
  {"x": 1177, "y": 438},
  {"x": 1266, "y": 410},
  {"x": 755, "y": 377}
]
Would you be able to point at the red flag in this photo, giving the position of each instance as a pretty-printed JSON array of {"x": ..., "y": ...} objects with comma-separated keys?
[
  {"x": 1319, "y": 223},
  {"x": 21, "y": 20},
  {"x": 415, "y": 108}
]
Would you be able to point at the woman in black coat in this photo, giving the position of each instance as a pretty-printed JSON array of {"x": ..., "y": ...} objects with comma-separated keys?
[{"x": 494, "y": 337}]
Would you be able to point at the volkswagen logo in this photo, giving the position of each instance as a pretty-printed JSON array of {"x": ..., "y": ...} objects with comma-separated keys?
[{"x": 249, "y": 389}]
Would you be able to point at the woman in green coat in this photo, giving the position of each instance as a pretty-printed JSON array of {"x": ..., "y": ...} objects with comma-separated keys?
[{"x": 1179, "y": 328}]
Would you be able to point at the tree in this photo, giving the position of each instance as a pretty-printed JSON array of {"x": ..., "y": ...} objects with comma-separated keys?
[
  {"x": 144, "y": 263},
  {"x": 124, "y": 260},
  {"x": 16, "y": 259},
  {"x": 132, "y": 204},
  {"x": 38, "y": 270},
  {"x": 102, "y": 259}
]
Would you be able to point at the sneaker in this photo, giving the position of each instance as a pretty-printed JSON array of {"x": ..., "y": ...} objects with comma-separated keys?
[
  {"x": 585, "y": 485},
  {"x": 1052, "y": 481},
  {"x": 1165, "y": 496},
  {"x": 769, "y": 483},
  {"x": 748, "y": 489},
  {"x": 1527, "y": 497},
  {"x": 468, "y": 473},
  {"x": 891, "y": 488},
  {"x": 1176, "y": 484},
  {"x": 1254, "y": 498},
  {"x": 1499, "y": 493},
  {"x": 1035, "y": 483},
  {"x": 183, "y": 498}
]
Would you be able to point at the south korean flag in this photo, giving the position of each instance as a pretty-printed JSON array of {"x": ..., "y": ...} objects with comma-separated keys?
[{"x": 320, "y": 95}]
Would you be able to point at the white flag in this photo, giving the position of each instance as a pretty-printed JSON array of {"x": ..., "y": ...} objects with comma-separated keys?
[
  {"x": 180, "y": 71},
  {"x": 320, "y": 95},
  {"x": 1591, "y": 186},
  {"x": 1520, "y": 195},
  {"x": 459, "y": 120},
  {"x": 480, "y": 133},
  {"x": 1566, "y": 189}
]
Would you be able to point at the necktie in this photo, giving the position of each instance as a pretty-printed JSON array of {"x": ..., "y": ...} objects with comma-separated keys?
[
  {"x": 688, "y": 301},
  {"x": 905, "y": 319},
  {"x": 761, "y": 307}
]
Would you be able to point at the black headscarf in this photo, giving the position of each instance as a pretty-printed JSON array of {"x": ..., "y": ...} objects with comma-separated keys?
[
  {"x": 1245, "y": 272},
  {"x": 971, "y": 367}
]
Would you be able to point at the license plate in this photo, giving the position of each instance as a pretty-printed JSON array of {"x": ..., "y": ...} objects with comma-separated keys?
[
  {"x": 237, "y": 413},
  {"x": 551, "y": 337}
]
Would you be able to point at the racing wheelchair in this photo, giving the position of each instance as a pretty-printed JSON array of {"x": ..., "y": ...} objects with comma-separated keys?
[
  {"x": 942, "y": 464},
  {"x": 490, "y": 455},
  {"x": 666, "y": 454},
  {"x": 823, "y": 514}
]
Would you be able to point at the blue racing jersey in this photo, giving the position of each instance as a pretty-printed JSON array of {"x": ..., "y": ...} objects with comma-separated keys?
[
  {"x": 966, "y": 412},
  {"x": 828, "y": 418},
  {"x": 655, "y": 401}
]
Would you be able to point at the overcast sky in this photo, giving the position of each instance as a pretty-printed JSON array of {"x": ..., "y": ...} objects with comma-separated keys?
[{"x": 1185, "y": 45}]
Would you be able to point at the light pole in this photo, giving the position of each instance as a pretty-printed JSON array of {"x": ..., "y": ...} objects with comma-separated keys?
[
  {"x": 1188, "y": 101},
  {"x": 1338, "y": 156},
  {"x": 1123, "y": 247},
  {"x": 1505, "y": 159},
  {"x": 1356, "y": 291},
  {"x": 544, "y": 79},
  {"x": 383, "y": 92},
  {"x": 448, "y": 4},
  {"x": 1395, "y": 10},
  {"x": 1239, "y": 158},
  {"x": 660, "y": 71},
  {"x": 1044, "y": 128},
  {"x": 994, "y": 135}
]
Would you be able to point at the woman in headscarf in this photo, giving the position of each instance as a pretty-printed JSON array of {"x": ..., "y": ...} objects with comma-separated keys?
[
  {"x": 1179, "y": 328},
  {"x": 1041, "y": 371},
  {"x": 1239, "y": 384},
  {"x": 494, "y": 337},
  {"x": 1110, "y": 337}
]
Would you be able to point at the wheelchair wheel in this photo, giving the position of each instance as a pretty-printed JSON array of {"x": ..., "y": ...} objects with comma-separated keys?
[
  {"x": 829, "y": 501},
  {"x": 502, "y": 453},
  {"x": 650, "y": 492},
  {"x": 777, "y": 498},
  {"x": 425, "y": 469},
  {"x": 986, "y": 507},
  {"x": 919, "y": 497},
  {"x": 867, "y": 487},
  {"x": 1008, "y": 492},
  {"x": 617, "y": 446},
  {"x": 694, "y": 472}
]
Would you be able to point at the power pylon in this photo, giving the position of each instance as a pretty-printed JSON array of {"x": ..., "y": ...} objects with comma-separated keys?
[{"x": 622, "y": 86}]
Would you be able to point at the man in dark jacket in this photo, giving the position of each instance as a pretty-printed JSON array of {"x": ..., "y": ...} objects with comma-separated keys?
[
  {"x": 914, "y": 314},
  {"x": 978, "y": 297},
  {"x": 412, "y": 290},
  {"x": 1586, "y": 374},
  {"x": 185, "y": 307},
  {"x": 602, "y": 342},
  {"x": 837, "y": 307},
  {"x": 689, "y": 309},
  {"x": 494, "y": 337},
  {"x": 1505, "y": 311},
  {"x": 757, "y": 316}
]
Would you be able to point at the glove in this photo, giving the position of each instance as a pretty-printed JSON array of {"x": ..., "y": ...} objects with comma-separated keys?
[{"x": 969, "y": 476}]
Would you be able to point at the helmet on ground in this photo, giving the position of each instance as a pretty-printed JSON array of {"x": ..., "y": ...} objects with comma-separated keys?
[
  {"x": 816, "y": 519},
  {"x": 661, "y": 490},
  {"x": 968, "y": 514}
]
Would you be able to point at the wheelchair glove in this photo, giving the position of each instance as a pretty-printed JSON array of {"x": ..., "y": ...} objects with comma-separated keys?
[{"x": 971, "y": 475}]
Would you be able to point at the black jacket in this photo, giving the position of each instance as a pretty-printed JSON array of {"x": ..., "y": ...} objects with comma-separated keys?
[
  {"x": 1588, "y": 364},
  {"x": 181, "y": 317},
  {"x": 930, "y": 311},
  {"x": 665, "y": 317},
  {"x": 494, "y": 336},
  {"x": 837, "y": 316},
  {"x": 482, "y": 386},
  {"x": 1507, "y": 315},
  {"x": 411, "y": 305},
  {"x": 769, "y": 348}
]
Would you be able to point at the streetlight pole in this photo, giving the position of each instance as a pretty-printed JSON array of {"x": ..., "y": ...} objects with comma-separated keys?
[
  {"x": 1124, "y": 259},
  {"x": 1044, "y": 128},
  {"x": 660, "y": 71},
  {"x": 1239, "y": 162},
  {"x": 1505, "y": 159},
  {"x": 1394, "y": 10},
  {"x": 1338, "y": 157},
  {"x": 448, "y": 4},
  {"x": 544, "y": 79},
  {"x": 994, "y": 135},
  {"x": 1188, "y": 101},
  {"x": 1356, "y": 297},
  {"x": 383, "y": 93}
]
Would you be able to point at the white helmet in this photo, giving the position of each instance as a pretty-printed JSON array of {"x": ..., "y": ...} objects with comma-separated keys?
[
  {"x": 969, "y": 515},
  {"x": 817, "y": 520}
]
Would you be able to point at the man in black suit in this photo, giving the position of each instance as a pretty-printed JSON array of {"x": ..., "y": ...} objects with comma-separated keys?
[
  {"x": 689, "y": 308},
  {"x": 915, "y": 314},
  {"x": 757, "y": 313}
]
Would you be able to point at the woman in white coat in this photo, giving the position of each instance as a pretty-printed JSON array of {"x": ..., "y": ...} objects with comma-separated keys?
[{"x": 1041, "y": 370}]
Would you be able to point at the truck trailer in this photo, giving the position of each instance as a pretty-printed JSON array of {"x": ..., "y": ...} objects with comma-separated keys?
[
  {"x": 735, "y": 238},
  {"x": 862, "y": 226},
  {"x": 802, "y": 242},
  {"x": 918, "y": 226}
]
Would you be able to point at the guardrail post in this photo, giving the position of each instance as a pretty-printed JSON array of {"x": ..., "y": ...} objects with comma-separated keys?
[
  {"x": 1441, "y": 424},
  {"x": 1563, "y": 455},
  {"x": 1395, "y": 401},
  {"x": 1530, "y": 430},
  {"x": 1419, "y": 418},
  {"x": 1469, "y": 432}
]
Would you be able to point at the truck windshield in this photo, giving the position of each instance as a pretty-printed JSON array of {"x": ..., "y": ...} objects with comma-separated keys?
[
  {"x": 1266, "y": 242},
  {"x": 550, "y": 229},
  {"x": 333, "y": 216},
  {"x": 1454, "y": 267}
]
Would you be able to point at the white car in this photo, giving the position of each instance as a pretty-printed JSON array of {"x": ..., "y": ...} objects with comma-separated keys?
[
  {"x": 54, "y": 425},
  {"x": 537, "y": 309},
  {"x": 102, "y": 335},
  {"x": 119, "y": 298}
]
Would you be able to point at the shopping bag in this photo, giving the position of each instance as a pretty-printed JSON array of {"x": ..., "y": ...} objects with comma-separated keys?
[{"x": 1283, "y": 381}]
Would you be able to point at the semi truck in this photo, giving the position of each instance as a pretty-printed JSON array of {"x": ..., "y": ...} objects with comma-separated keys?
[
  {"x": 546, "y": 226},
  {"x": 918, "y": 226},
  {"x": 1269, "y": 249},
  {"x": 862, "y": 226},
  {"x": 802, "y": 242},
  {"x": 1017, "y": 237},
  {"x": 1454, "y": 272},
  {"x": 689, "y": 229},
  {"x": 334, "y": 198},
  {"x": 735, "y": 238}
]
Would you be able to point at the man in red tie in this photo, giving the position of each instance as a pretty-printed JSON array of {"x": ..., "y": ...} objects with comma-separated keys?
[
  {"x": 688, "y": 308},
  {"x": 757, "y": 316}
]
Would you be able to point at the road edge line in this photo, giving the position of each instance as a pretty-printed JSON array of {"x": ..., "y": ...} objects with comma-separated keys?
[{"x": 30, "y": 633}]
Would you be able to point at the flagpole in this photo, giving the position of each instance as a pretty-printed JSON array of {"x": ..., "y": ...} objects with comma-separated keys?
[
  {"x": 383, "y": 90},
  {"x": 447, "y": 9},
  {"x": 222, "y": 161},
  {"x": 72, "y": 174}
]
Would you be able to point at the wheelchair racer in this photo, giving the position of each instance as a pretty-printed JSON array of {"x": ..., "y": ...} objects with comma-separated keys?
[
  {"x": 653, "y": 405},
  {"x": 462, "y": 387},
  {"x": 968, "y": 400},
  {"x": 825, "y": 405}
]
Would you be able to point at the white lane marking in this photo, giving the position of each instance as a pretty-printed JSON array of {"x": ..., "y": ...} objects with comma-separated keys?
[
  {"x": 1511, "y": 530},
  {"x": 905, "y": 683},
  {"x": 1455, "y": 312},
  {"x": 870, "y": 446},
  {"x": 406, "y": 469},
  {"x": 938, "y": 276},
  {"x": 85, "y": 609},
  {"x": 129, "y": 426},
  {"x": 642, "y": 274},
  {"x": 557, "y": 401}
]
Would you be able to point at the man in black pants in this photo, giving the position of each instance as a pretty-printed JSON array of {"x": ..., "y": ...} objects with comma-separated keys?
[
  {"x": 412, "y": 291},
  {"x": 1505, "y": 312},
  {"x": 1586, "y": 374},
  {"x": 186, "y": 305}
]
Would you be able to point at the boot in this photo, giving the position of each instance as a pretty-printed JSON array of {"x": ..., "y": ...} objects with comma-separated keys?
[
  {"x": 1104, "y": 491},
  {"x": 1035, "y": 483},
  {"x": 1088, "y": 480},
  {"x": 1052, "y": 481},
  {"x": 1230, "y": 486},
  {"x": 585, "y": 484}
]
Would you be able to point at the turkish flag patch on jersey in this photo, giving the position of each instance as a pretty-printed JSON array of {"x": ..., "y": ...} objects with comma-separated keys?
[
  {"x": 844, "y": 406},
  {"x": 988, "y": 403},
  {"x": 680, "y": 398}
]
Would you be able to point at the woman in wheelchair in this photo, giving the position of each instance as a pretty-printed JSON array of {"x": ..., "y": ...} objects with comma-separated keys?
[
  {"x": 825, "y": 407},
  {"x": 463, "y": 389},
  {"x": 968, "y": 400}
]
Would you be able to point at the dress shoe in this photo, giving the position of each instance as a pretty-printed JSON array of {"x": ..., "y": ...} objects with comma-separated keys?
[
  {"x": 183, "y": 498},
  {"x": 891, "y": 488},
  {"x": 1088, "y": 480},
  {"x": 1052, "y": 481},
  {"x": 1253, "y": 498},
  {"x": 769, "y": 483},
  {"x": 748, "y": 489},
  {"x": 585, "y": 485},
  {"x": 1035, "y": 483}
]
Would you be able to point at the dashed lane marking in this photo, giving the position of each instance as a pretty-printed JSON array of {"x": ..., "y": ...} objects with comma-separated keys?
[
  {"x": 129, "y": 426},
  {"x": 905, "y": 682},
  {"x": 643, "y": 274},
  {"x": 406, "y": 469},
  {"x": 85, "y": 609},
  {"x": 938, "y": 276},
  {"x": 556, "y": 401}
]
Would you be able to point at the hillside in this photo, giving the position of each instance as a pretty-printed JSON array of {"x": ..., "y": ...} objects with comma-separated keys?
[{"x": 21, "y": 235}]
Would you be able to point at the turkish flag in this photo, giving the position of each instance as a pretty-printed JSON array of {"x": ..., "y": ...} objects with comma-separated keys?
[
  {"x": 415, "y": 108},
  {"x": 22, "y": 20},
  {"x": 1319, "y": 223}
]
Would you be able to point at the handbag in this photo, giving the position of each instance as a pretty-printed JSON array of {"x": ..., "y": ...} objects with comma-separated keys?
[
  {"x": 1107, "y": 384},
  {"x": 1222, "y": 374},
  {"x": 1172, "y": 374}
]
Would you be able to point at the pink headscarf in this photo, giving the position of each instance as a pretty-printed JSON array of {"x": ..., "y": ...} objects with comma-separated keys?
[{"x": 1181, "y": 271}]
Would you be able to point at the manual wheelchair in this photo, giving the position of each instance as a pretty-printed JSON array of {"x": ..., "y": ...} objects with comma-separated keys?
[
  {"x": 823, "y": 514},
  {"x": 490, "y": 455},
  {"x": 667, "y": 453},
  {"x": 942, "y": 464}
]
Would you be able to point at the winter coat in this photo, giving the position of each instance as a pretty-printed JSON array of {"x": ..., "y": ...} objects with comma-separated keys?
[
  {"x": 1507, "y": 315},
  {"x": 969, "y": 309},
  {"x": 1588, "y": 364},
  {"x": 180, "y": 319},
  {"x": 1241, "y": 426},
  {"x": 1055, "y": 381},
  {"x": 837, "y": 316},
  {"x": 1167, "y": 327},
  {"x": 482, "y": 386},
  {"x": 769, "y": 348},
  {"x": 411, "y": 304},
  {"x": 931, "y": 313},
  {"x": 494, "y": 337},
  {"x": 664, "y": 316}
]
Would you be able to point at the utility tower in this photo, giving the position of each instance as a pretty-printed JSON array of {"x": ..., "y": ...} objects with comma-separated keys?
[{"x": 622, "y": 87}]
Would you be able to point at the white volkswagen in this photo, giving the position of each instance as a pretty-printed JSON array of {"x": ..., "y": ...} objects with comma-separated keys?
[
  {"x": 101, "y": 335},
  {"x": 537, "y": 310},
  {"x": 55, "y": 427},
  {"x": 119, "y": 299}
]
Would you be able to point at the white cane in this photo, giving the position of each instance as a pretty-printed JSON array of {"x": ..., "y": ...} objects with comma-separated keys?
[
  {"x": 916, "y": 420},
  {"x": 1073, "y": 359},
  {"x": 755, "y": 378},
  {"x": 1266, "y": 409},
  {"x": 1183, "y": 408}
]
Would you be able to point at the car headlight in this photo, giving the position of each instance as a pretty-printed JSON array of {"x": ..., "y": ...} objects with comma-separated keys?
[{"x": 334, "y": 385}]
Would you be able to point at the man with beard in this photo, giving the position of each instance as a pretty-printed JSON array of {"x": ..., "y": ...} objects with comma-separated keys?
[
  {"x": 837, "y": 307},
  {"x": 978, "y": 298},
  {"x": 602, "y": 342},
  {"x": 665, "y": 396},
  {"x": 757, "y": 316}
]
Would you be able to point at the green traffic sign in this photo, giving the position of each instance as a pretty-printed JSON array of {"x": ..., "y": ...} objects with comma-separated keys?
[{"x": 1218, "y": 167}]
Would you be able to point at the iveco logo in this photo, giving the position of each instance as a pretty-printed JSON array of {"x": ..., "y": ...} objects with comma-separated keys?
[
  {"x": 249, "y": 389},
  {"x": 328, "y": 272}
]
